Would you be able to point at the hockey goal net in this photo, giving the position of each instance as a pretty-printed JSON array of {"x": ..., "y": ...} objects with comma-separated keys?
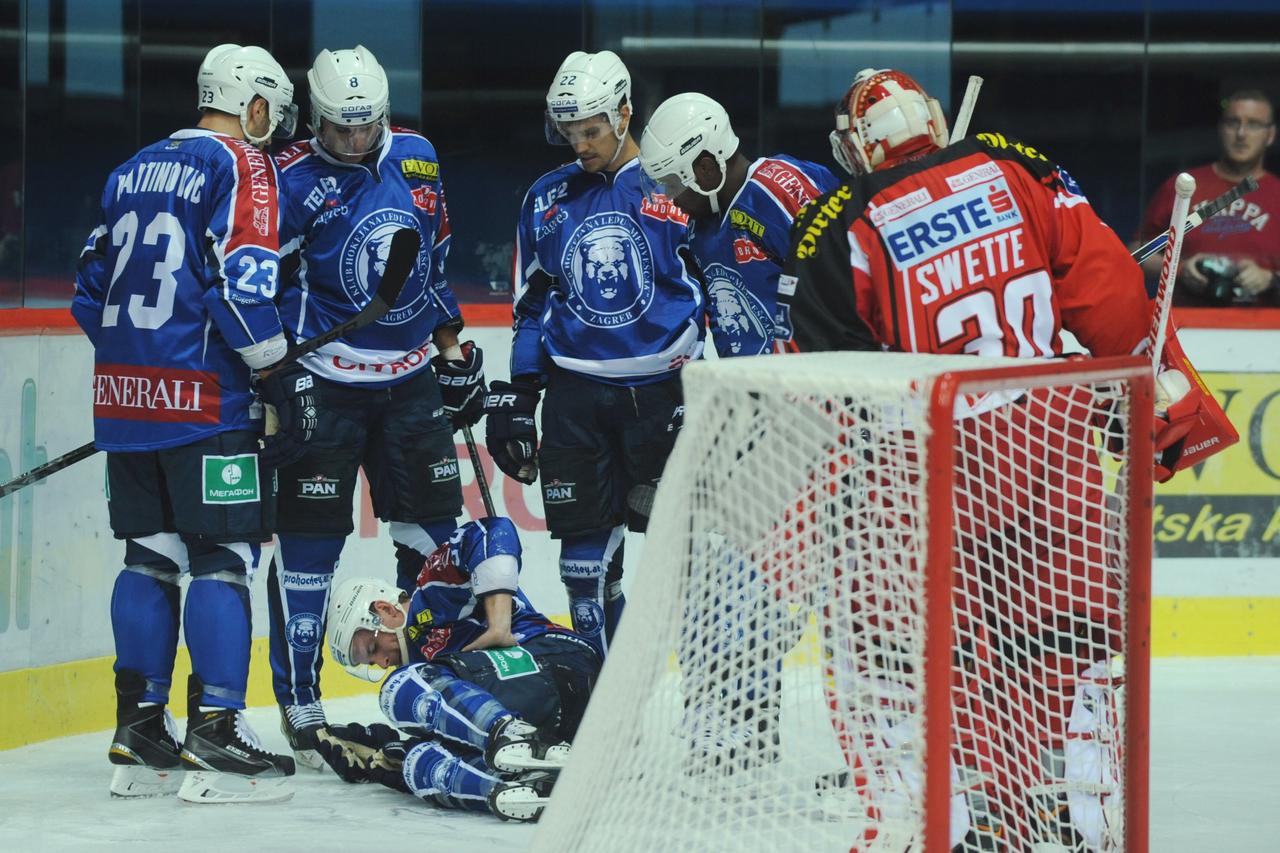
[{"x": 886, "y": 602}]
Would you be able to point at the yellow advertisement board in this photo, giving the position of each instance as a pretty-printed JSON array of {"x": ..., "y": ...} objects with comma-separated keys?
[{"x": 1229, "y": 506}]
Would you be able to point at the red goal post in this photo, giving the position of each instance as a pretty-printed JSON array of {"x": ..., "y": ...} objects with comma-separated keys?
[{"x": 887, "y": 602}]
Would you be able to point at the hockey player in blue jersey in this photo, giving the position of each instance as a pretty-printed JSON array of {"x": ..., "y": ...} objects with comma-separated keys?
[
  {"x": 606, "y": 313},
  {"x": 740, "y": 215},
  {"x": 488, "y": 689},
  {"x": 175, "y": 292},
  {"x": 381, "y": 400}
]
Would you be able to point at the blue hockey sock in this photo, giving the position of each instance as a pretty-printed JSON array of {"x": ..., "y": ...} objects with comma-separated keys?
[
  {"x": 298, "y": 583},
  {"x": 434, "y": 773},
  {"x": 587, "y": 564},
  {"x": 432, "y": 697},
  {"x": 216, "y": 620},
  {"x": 144, "y": 622}
]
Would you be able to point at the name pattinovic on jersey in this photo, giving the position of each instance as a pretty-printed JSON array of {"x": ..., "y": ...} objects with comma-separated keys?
[
  {"x": 180, "y": 273},
  {"x": 599, "y": 286},
  {"x": 338, "y": 223}
]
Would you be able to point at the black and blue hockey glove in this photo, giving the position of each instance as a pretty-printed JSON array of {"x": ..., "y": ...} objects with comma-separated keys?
[
  {"x": 290, "y": 391},
  {"x": 462, "y": 386},
  {"x": 510, "y": 432}
]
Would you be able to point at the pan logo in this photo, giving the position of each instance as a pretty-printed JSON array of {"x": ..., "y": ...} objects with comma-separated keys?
[{"x": 15, "y": 549}]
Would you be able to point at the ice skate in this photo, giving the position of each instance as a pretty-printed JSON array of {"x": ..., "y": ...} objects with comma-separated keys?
[
  {"x": 224, "y": 760},
  {"x": 524, "y": 797},
  {"x": 299, "y": 724},
  {"x": 516, "y": 746},
  {"x": 144, "y": 747}
]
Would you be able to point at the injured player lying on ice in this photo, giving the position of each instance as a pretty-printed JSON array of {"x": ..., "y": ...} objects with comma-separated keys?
[{"x": 486, "y": 692}]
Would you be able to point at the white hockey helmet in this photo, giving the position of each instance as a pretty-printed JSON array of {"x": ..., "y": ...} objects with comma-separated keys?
[
  {"x": 351, "y": 610},
  {"x": 349, "y": 90},
  {"x": 682, "y": 128},
  {"x": 587, "y": 85},
  {"x": 884, "y": 117},
  {"x": 231, "y": 76}
]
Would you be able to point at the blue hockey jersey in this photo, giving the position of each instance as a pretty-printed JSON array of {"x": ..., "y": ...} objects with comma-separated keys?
[
  {"x": 445, "y": 613},
  {"x": 600, "y": 286},
  {"x": 338, "y": 223},
  {"x": 179, "y": 275},
  {"x": 741, "y": 253}
]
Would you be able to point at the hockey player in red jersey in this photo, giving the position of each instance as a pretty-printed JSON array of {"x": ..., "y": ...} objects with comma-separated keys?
[{"x": 985, "y": 246}]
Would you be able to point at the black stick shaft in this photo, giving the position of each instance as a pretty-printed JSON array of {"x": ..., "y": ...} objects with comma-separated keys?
[
  {"x": 1203, "y": 211},
  {"x": 481, "y": 481}
]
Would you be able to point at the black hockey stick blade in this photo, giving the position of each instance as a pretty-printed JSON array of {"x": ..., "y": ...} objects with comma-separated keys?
[
  {"x": 1203, "y": 211},
  {"x": 39, "y": 472},
  {"x": 401, "y": 260}
]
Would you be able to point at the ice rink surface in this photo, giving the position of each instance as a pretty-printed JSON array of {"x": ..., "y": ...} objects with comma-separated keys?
[{"x": 1215, "y": 786}]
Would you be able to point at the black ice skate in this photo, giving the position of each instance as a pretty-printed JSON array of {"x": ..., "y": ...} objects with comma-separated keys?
[
  {"x": 145, "y": 745},
  {"x": 524, "y": 797},
  {"x": 224, "y": 760},
  {"x": 515, "y": 746},
  {"x": 300, "y": 724}
]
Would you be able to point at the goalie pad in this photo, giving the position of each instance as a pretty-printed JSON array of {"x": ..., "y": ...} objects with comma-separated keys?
[{"x": 1194, "y": 427}]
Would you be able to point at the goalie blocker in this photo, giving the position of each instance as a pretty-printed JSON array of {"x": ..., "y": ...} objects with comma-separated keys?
[{"x": 1193, "y": 426}]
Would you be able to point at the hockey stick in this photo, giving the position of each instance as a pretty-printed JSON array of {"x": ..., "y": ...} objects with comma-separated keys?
[
  {"x": 1203, "y": 211},
  {"x": 475, "y": 466},
  {"x": 403, "y": 255},
  {"x": 967, "y": 104},
  {"x": 1184, "y": 186}
]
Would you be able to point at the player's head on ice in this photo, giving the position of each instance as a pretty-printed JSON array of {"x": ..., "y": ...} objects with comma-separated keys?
[
  {"x": 884, "y": 118},
  {"x": 685, "y": 152},
  {"x": 248, "y": 83},
  {"x": 589, "y": 108},
  {"x": 350, "y": 102},
  {"x": 366, "y": 627}
]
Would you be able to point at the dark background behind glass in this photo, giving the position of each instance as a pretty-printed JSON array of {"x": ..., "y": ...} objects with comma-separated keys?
[{"x": 1122, "y": 92}]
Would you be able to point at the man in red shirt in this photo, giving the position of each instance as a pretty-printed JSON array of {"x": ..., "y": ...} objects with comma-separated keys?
[{"x": 1233, "y": 258}]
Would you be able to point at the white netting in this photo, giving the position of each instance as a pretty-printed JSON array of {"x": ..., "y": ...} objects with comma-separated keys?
[{"x": 767, "y": 688}]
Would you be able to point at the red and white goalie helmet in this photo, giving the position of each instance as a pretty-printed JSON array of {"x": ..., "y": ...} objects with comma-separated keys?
[{"x": 884, "y": 118}]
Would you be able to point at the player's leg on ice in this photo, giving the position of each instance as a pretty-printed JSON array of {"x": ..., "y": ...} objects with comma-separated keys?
[
  {"x": 298, "y": 583},
  {"x": 144, "y": 621},
  {"x": 462, "y": 780},
  {"x": 591, "y": 570},
  {"x": 223, "y": 757},
  {"x": 432, "y": 697}
]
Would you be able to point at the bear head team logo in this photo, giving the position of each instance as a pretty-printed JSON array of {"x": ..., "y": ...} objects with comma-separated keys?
[
  {"x": 609, "y": 268},
  {"x": 364, "y": 261},
  {"x": 743, "y": 322}
]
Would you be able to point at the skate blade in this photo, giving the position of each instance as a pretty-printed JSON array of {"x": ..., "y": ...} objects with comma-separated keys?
[
  {"x": 137, "y": 781},
  {"x": 310, "y": 759},
  {"x": 518, "y": 757},
  {"x": 520, "y": 804},
  {"x": 203, "y": 786}
]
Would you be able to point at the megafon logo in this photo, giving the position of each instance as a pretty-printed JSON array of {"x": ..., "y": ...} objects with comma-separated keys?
[{"x": 15, "y": 550}]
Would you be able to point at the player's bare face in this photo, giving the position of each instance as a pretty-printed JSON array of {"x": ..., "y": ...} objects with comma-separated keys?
[
  {"x": 1246, "y": 129},
  {"x": 593, "y": 140},
  {"x": 379, "y": 648},
  {"x": 350, "y": 143}
]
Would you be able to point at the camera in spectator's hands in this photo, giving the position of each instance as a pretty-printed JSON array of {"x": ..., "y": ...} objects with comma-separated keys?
[{"x": 1220, "y": 271}]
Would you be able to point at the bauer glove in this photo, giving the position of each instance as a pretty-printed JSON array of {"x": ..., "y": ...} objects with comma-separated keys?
[
  {"x": 462, "y": 386},
  {"x": 510, "y": 433},
  {"x": 360, "y": 753},
  {"x": 290, "y": 390}
]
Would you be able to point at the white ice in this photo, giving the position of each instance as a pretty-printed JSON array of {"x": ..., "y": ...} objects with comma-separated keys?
[{"x": 1215, "y": 786}]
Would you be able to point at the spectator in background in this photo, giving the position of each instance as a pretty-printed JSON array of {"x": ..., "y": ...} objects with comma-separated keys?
[{"x": 1233, "y": 258}]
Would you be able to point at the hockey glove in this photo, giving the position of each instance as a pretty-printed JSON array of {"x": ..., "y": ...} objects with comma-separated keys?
[
  {"x": 510, "y": 432},
  {"x": 350, "y": 749},
  {"x": 462, "y": 385},
  {"x": 290, "y": 391}
]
